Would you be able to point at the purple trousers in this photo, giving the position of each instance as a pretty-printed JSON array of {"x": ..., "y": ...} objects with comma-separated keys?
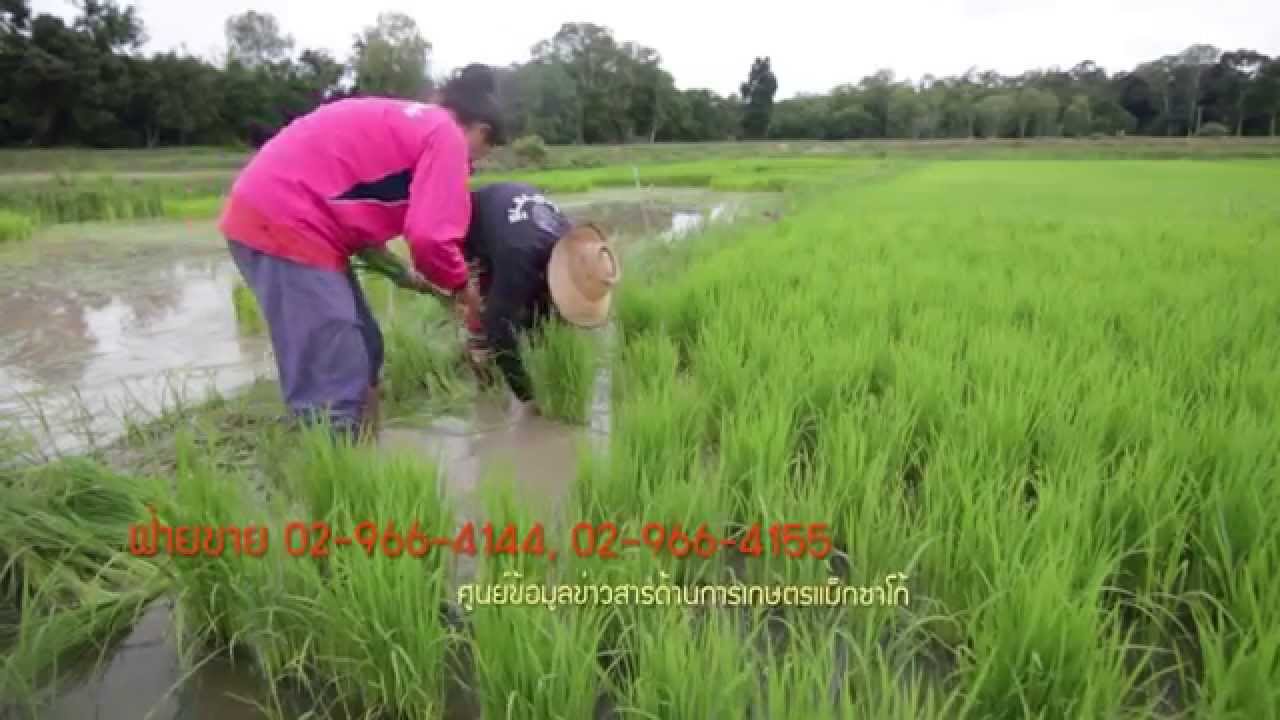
[{"x": 328, "y": 347}]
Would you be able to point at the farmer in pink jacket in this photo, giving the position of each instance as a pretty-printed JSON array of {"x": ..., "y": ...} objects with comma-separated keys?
[{"x": 346, "y": 179}]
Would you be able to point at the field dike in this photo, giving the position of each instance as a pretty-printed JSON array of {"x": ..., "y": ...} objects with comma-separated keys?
[{"x": 1032, "y": 404}]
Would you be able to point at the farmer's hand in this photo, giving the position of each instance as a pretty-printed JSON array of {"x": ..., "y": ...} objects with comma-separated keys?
[
  {"x": 468, "y": 304},
  {"x": 478, "y": 357},
  {"x": 414, "y": 280}
]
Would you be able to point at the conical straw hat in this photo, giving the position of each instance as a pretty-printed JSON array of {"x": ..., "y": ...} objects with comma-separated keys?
[{"x": 581, "y": 274}]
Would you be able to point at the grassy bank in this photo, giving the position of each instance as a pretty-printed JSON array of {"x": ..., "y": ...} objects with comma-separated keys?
[{"x": 1027, "y": 407}]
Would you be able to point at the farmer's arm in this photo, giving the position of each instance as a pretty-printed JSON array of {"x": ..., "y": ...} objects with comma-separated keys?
[
  {"x": 507, "y": 313},
  {"x": 439, "y": 212}
]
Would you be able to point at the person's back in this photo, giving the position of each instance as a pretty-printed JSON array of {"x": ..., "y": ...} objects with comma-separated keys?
[{"x": 343, "y": 174}]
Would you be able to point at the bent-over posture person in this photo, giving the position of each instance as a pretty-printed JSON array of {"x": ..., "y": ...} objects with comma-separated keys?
[
  {"x": 532, "y": 265},
  {"x": 343, "y": 181}
]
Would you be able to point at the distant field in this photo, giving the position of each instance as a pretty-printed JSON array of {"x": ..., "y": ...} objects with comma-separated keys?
[{"x": 38, "y": 165}]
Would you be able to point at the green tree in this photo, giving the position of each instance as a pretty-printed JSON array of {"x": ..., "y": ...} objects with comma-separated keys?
[
  {"x": 1037, "y": 111},
  {"x": 1266, "y": 93},
  {"x": 1231, "y": 84},
  {"x": 254, "y": 39},
  {"x": 593, "y": 62},
  {"x": 757, "y": 94},
  {"x": 392, "y": 58},
  {"x": 1077, "y": 118},
  {"x": 994, "y": 113}
]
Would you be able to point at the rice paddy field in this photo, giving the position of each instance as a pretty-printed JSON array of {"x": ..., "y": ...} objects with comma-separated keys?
[{"x": 992, "y": 438}]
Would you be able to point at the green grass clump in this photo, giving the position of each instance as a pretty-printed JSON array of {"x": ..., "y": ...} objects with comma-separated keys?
[
  {"x": 15, "y": 226},
  {"x": 561, "y": 362}
]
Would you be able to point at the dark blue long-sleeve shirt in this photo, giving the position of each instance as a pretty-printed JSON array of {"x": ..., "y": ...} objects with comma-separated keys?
[{"x": 513, "y": 229}]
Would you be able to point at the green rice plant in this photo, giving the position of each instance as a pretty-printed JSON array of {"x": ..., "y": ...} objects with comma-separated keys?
[
  {"x": 214, "y": 583},
  {"x": 561, "y": 362},
  {"x": 535, "y": 652},
  {"x": 424, "y": 363},
  {"x": 193, "y": 208},
  {"x": 821, "y": 671},
  {"x": 655, "y": 442},
  {"x": 366, "y": 525},
  {"x": 70, "y": 199},
  {"x": 15, "y": 226},
  {"x": 248, "y": 313},
  {"x": 688, "y": 665},
  {"x": 1239, "y": 640}
]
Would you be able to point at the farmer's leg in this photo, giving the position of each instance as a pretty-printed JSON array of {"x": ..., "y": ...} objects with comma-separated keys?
[
  {"x": 316, "y": 334},
  {"x": 373, "y": 343}
]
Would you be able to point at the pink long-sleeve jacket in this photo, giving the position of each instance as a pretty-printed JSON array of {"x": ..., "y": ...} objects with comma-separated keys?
[{"x": 355, "y": 174}]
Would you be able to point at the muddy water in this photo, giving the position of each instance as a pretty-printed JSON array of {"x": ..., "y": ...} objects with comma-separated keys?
[
  {"x": 103, "y": 322},
  {"x": 137, "y": 306}
]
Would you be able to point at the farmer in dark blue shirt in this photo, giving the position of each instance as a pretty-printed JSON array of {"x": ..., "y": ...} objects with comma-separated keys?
[{"x": 531, "y": 264}]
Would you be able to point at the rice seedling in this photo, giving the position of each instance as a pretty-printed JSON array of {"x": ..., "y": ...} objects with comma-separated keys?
[
  {"x": 15, "y": 226},
  {"x": 533, "y": 649},
  {"x": 248, "y": 314},
  {"x": 212, "y": 504},
  {"x": 70, "y": 199},
  {"x": 424, "y": 362},
  {"x": 688, "y": 665},
  {"x": 561, "y": 362},
  {"x": 193, "y": 208},
  {"x": 69, "y": 583}
]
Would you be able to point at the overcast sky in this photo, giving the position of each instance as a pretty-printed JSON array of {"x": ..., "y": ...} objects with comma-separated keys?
[{"x": 815, "y": 45}]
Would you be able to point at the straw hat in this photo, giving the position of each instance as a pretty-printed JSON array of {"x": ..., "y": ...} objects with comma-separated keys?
[{"x": 581, "y": 274}]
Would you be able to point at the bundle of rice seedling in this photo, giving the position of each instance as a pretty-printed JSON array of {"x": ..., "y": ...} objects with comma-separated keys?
[
  {"x": 381, "y": 262},
  {"x": 67, "y": 579}
]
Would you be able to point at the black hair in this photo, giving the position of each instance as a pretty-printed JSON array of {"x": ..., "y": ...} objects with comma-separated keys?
[{"x": 472, "y": 96}]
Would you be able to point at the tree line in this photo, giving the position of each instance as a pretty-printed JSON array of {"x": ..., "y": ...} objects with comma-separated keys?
[{"x": 86, "y": 82}]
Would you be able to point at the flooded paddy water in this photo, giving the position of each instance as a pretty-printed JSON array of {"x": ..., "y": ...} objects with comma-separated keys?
[{"x": 102, "y": 323}]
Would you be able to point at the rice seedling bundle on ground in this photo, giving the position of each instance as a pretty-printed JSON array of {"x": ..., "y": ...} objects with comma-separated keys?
[{"x": 68, "y": 583}]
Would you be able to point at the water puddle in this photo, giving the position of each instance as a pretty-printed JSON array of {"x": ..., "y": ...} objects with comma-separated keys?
[{"x": 146, "y": 678}]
